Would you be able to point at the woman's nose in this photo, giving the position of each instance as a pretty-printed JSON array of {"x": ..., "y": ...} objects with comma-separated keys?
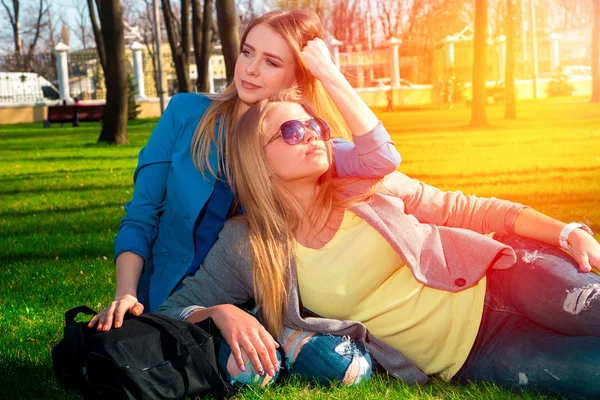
[
  {"x": 252, "y": 68},
  {"x": 310, "y": 135}
]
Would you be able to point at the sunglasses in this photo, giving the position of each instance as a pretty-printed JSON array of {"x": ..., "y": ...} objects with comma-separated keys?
[{"x": 292, "y": 131}]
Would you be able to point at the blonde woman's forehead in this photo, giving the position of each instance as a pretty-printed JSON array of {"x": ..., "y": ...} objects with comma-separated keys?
[
  {"x": 284, "y": 112},
  {"x": 265, "y": 40}
]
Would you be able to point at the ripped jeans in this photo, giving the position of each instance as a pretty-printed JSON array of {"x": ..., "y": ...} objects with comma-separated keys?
[
  {"x": 540, "y": 329},
  {"x": 319, "y": 358}
]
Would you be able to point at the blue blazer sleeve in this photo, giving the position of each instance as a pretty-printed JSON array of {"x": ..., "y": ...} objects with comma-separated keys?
[
  {"x": 372, "y": 155},
  {"x": 139, "y": 227}
]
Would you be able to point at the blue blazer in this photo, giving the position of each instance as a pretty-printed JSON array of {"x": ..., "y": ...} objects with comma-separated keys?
[{"x": 170, "y": 192}]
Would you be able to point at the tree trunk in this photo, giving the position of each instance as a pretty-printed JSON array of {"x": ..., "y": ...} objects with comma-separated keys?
[
  {"x": 510, "y": 100},
  {"x": 97, "y": 35},
  {"x": 478, "y": 108},
  {"x": 197, "y": 37},
  {"x": 180, "y": 52},
  {"x": 228, "y": 32},
  {"x": 206, "y": 48},
  {"x": 114, "y": 127},
  {"x": 596, "y": 53}
]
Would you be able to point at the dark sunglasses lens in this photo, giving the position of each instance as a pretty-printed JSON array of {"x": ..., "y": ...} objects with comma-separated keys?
[
  {"x": 320, "y": 127},
  {"x": 292, "y": 132}
]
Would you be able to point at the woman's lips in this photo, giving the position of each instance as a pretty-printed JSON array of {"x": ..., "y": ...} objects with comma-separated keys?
[
  {"x": 315, "y": 150},
  {"x": 249, "y": 86}
]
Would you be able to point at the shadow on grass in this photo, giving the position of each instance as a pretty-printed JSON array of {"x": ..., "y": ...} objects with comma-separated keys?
[
  {"x": 86, "y": 188},
  {"x": 61, "y": 172},
  {"x": 62, "y": 210},
  {"x": 30, "y": 381}
]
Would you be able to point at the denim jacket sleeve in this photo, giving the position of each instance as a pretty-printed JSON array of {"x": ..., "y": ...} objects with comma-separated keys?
[
  {"x": 139, "y": 226},
  {"x": 225, "y": 277},
  {"x": 372, "y": 155}
]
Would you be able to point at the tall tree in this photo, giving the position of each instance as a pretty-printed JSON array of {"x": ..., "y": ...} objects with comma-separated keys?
[
  {"x": 114, "y": 127},
  {"x": 478, "y": 107},
  {"x": 32, "y": 30},
  {"x": 97, "y": 32},
  {"x": 179, "y": 41},
  {"x": 510, "y": 101},
  {"x": 202, "y": 28},
  {"x": 596, "y": 53},
  {"x": 228, "y": 32}
]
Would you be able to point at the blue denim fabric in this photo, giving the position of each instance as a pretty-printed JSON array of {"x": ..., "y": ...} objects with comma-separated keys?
[
  {"x": 541, "y": 325},
  {"x": 322, "y": 359},
  {"x": 249, "y": 377}
]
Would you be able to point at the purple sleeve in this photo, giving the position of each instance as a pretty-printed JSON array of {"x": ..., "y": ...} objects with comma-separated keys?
[{"x": 372, "y": 155}]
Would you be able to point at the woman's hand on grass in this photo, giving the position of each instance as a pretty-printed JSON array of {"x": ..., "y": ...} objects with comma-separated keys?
[
  {"x": 242, "y": 331},
  {"x": 115, "y": 313},
  {"x": 585, "y": 249}
]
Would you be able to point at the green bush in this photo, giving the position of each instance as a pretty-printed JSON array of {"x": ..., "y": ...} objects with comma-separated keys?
[
  {"x": 560, "y": 85},
  {"x": 133, "y": 107}
]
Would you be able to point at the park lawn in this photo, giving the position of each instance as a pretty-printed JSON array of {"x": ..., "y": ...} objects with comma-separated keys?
[{"x": 62, "y": 197}]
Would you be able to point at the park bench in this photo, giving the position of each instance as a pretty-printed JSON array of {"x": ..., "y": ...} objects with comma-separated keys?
[{"x": 74, "y": 113}]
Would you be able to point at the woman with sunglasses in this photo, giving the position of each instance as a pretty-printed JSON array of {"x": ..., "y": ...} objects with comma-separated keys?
[
  {"x": 407, "y": 271},
  {"x": 181, "y": 199}
]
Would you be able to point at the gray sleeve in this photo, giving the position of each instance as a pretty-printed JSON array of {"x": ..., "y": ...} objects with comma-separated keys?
[{"x": 225, "y": 277}]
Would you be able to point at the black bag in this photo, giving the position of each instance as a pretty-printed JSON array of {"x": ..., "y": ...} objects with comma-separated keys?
[{"x": 150, "y": 357}]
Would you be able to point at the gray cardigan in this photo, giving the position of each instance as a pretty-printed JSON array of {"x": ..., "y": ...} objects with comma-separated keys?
[{"x": 413, "y": 217}]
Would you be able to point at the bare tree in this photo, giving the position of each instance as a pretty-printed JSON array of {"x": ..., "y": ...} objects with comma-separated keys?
[
  {"x": 80, "y": 25},
  {"x": 510, "y": 101},
  {"x": 202, "y": 26},
  {"x": 478, "y": 108},
  {"x": 596, "y": 53},
  {"x": 179, "y": 40},
  {"x": 33, "y": 29},
  {"x": 114, "y": 127},
  {"x": 390, "y": 15},
  {"x": 228, "y": 32},
  {"x": 97, "y": 32}
]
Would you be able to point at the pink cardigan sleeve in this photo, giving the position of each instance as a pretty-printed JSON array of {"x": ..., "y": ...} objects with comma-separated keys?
[{"x": 453, "y": 209}]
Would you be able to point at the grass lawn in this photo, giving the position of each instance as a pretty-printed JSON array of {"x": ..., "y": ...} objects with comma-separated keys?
[{"x": 62, "y": 198}]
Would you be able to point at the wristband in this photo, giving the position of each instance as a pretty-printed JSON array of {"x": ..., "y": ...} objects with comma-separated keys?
[{"x": 564, "y": 233}]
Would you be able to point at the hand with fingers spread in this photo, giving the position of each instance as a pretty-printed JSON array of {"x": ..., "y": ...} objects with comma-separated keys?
[
  {"x": 115, "y": 313},
  {"x": 585, "y": 249},
  {"x": 242, "y": 331}
]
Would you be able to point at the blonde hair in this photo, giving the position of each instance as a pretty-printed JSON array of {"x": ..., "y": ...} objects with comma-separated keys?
[
  {"x": 270, "y": 211},
  {"x": 296, "y": 27}
]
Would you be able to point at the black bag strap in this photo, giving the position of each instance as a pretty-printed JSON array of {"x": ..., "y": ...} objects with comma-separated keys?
[
  {"x": 74, "y": 341},
  {"x": 74, "y": 312},
  {"x": 184, "y": 337}
]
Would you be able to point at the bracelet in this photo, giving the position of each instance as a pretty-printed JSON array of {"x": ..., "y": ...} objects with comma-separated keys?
[{"x": 564, "y": 233}]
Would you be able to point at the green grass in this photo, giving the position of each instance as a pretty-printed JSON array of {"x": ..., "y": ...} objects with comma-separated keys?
[{"x": 62, "y": 197}]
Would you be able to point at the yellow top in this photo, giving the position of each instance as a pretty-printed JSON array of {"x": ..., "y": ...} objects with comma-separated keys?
[{"x": 358, "y": 276}]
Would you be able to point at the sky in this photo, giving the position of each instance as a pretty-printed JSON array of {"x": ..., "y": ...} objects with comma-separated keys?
[{"x": 64, "y": 9}]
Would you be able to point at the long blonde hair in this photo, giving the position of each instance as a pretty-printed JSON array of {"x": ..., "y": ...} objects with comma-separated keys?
[
  {"x": 296, "y": 27},
  {"x": 270, "y": 211}
]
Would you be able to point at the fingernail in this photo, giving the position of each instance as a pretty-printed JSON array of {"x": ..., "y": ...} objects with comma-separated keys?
[
  {"x": 586, "y": 268},
  {"x": 117, "y": 325},
  {"x": 106, "y": 328},
  {"x": 277, "y": 366},
  {"x": 261, "y": 372},
  {"x": 242, "y": 367},
  {"x": 99, "y": 327},
  {"x": 272, "y": 372}
]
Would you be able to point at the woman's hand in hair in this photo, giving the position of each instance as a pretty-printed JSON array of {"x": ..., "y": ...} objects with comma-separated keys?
[
  {"x": 115, "y": 313},
  {"x": 318, "y": 59},
  {"x": 242, "y": 331}
]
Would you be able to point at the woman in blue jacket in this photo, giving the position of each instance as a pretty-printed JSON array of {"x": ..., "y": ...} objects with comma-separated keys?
[{"x": 180, "y": 202}]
